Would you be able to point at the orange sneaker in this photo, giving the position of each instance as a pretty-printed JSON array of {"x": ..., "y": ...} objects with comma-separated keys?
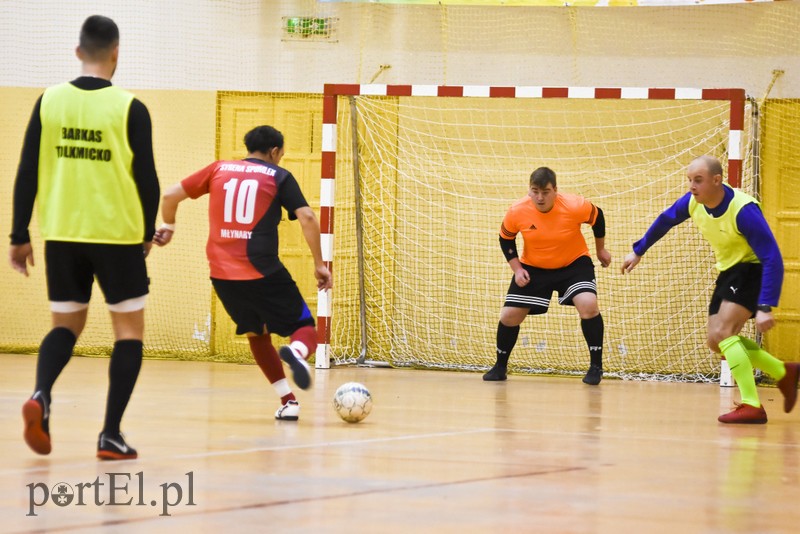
[
  {"x": 745, "y": 414},
  {"x": 788, "y": 386},
  {"x": 36, "y": 414}
]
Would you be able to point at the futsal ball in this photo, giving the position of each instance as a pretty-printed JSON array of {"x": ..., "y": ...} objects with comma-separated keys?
[{"x": 352, "y": 402}]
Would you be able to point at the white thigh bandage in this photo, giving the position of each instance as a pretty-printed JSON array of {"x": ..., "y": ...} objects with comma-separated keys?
[
  {"x": 127, "y": 306},
  {"x": 67, "y": 306}
]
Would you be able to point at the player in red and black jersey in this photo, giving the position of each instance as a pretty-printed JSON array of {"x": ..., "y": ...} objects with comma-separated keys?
[{"x": 259, "y": 294}]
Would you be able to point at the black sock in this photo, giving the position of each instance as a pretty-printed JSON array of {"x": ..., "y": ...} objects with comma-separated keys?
[
  {"x": 593, "y": 333},
  {"x": 126, "y": 360},
  {"x": 506, "y": 339},
  {"x": 54, "y": 353}
]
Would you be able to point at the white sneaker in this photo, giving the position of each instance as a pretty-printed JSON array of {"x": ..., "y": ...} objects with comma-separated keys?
[{"x": 289, "y": 411}]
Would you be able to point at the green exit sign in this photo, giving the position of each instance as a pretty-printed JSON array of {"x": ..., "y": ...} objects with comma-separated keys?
[{"x": 308, "y": 27}]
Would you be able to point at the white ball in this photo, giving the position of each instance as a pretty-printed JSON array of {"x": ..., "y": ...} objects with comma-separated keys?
[{"x": 352, "y": 402}]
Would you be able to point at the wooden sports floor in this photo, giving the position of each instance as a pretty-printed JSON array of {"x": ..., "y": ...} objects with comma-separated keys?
[{"x": 440, "y": 452}]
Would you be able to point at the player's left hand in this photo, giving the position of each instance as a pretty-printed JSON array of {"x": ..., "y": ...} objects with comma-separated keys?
[
  {"x": 604, "y": 256},
  {"x": 324, "y": 278},
  {"x": 764, "y": 321}
]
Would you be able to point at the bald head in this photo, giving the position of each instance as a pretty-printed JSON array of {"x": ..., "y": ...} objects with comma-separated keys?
[
  {"x": 709, "y": 163},
  {"x": 705, "y": 181}
]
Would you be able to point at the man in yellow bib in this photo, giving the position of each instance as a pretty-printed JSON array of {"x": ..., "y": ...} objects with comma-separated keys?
[
  {"x": 87, "y": 159},
  {"x": 750, "y": 269}
]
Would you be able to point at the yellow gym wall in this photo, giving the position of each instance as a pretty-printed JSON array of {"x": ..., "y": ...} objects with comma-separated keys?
[
  {"x": 192, "y": 128},
  {"x": 780, "y": 196},
  {"x": 184, "y": 139},
  {"x": 24, "y": 298}
]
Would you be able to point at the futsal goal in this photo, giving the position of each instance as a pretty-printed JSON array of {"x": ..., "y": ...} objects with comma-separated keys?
[{"x": 420, "y": 177}]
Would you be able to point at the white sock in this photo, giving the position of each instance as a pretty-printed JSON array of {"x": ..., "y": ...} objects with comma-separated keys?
[{"x": 282, "y": 387}]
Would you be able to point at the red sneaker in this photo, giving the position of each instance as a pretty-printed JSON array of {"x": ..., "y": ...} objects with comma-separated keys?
[
  {"x": 788, "y": 386},
  {"x": 745, "y": 414},
  {"x": 36, "y": 418}
]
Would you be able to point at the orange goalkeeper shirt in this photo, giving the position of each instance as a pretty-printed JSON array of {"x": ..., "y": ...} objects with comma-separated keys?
[{"x": 550, "y": 240}]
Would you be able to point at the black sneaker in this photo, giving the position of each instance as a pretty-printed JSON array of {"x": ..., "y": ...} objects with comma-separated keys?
[
  {"x": 113, "y": 447},
  {"x": 594, "y": 375},
  {"x": 496, "y": 374},
  {"x": 301, "y": 373},
  {"x": 36, "y": 414}
]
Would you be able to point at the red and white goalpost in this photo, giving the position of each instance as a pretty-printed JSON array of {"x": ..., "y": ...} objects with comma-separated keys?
[{"x": 420, "y": 177}]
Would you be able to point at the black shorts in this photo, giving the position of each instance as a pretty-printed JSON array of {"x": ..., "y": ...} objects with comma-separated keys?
[
  {"x": 72, "y": 267},
  {"x": 577, "y": 277},
  {"x": 273, "y": 301},
  {"x": 740, "y": 284}
]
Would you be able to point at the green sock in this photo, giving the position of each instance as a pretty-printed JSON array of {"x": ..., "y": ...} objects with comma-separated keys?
[
  {"x": 763, "y": 360},
  {"x": 742, "y": 370}
]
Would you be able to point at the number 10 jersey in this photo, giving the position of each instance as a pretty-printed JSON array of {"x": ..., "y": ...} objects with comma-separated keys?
[{"x": 244, "y": 210}]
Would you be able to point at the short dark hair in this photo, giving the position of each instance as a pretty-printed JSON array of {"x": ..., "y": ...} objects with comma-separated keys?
[
  {"x": 543, "y": 176},
  {"x": 99, "y": 34},
  {"x": 263, "y": 139}
]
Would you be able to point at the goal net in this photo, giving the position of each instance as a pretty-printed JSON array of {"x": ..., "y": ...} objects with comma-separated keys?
[{"x": 419, "y": 179}]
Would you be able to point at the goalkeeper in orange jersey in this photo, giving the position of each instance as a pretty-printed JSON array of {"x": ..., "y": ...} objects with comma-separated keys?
[
  {"x": 554, "y": 258},
  {"x": 750, "y": 269}
]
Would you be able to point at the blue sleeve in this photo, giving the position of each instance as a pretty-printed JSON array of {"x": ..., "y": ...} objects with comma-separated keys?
[
  {"x": 754, "y": 228},
  {"x": 672, "y": 216}
]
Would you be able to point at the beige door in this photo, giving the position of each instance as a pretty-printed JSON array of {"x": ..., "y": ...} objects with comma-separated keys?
[
  {"x": 299, "y": 118},
  {"x": 781, "y": 204}
]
